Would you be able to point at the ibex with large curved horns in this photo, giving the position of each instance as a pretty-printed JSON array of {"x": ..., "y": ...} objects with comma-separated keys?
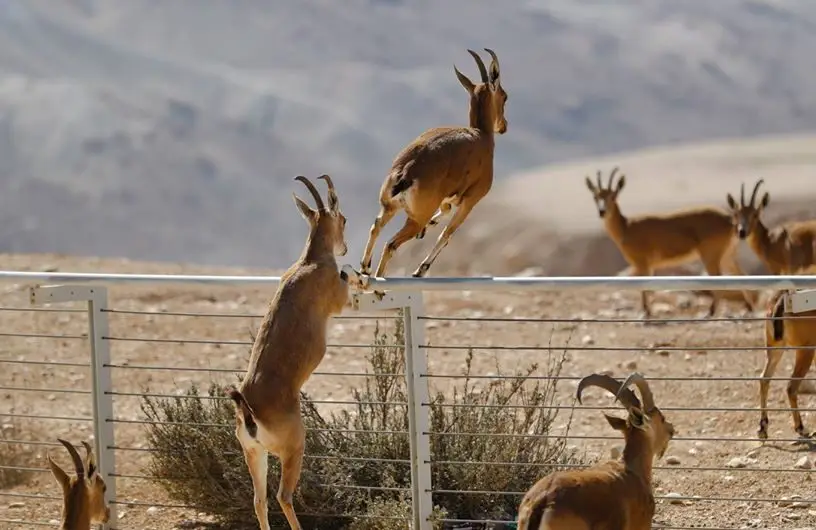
[
  {"x": 784, "y": 249},
  {"x": 615, "y": 494},
  {"x": 83, "y": 496},
  {"x": 290, "y": 344},
  {"x": 444, "y": 167},
  {"x": 654, "y": 241}
]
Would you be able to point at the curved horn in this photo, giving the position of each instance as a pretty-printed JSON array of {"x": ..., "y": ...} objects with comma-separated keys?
[
  {"x": 80, "y": 469},
  {"x": 612, "y": 176},
  {"x": 742, "y": 195},
  {"x": 89, "y": 457},
  {"x": 598, "y": 176},
  {"x": 333, "y": 202},
  {"x": 494, "y": 59},
  {"x": 313, "y": 190},
  {"x": 756, "y": 189},
  {"x": 643, "y": 386},
  {"x": 480, "y": 64},
  {"x": 613, "y": 386}
]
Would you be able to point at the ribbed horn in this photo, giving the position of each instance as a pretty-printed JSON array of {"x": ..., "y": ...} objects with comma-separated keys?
[
  {"x": 78, "y": 467},
  {"x": 613, "y": 386},
  {"x": 643, "y": 386},
  {"x": 480, "y": 64},
  {"x": 313, "y": 190},
  {"x": 756, "y": 189}
]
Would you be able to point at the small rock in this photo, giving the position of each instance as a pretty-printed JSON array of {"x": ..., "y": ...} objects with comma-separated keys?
[
  {"x": 803, "y": 463},
  {"x": 800, "y": 504},
  {"x": 587, "y": 340},
  {"x": 16, "y": 505},
  {"x": 672, "y": 461},
  {"x": 693, "y": 451},
  {"x": 740, "y": 462},
  {"x": 631, "y": 365},
  {"x": 663, "y": 353},
  {"x": 152, "y": 510},
  {"x": 674, "y": 498},
  {"x": 753, "y": 453}
]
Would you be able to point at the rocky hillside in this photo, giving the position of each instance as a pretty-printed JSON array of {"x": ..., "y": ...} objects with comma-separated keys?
[{"x": 172, "y": 130}]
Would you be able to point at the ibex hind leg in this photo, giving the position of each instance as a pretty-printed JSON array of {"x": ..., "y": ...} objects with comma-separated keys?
[
  {"x": 456, "y": 221},
  {"x": 257, "y": 461},
  {"x": 801, "y": 367}
]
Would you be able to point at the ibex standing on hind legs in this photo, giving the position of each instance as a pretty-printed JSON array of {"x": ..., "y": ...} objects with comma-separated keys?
[
  {"x": 784, "y": 249},
  {"x": 290, "y": 344},
  {"x": 613, "y": 495},
  {"x": 84, "y": 495},
  {"x": 649, "y": 242},
  {"x": 444, "y": 167}
]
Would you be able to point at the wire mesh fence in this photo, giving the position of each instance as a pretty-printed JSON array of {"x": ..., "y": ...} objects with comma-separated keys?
[{"x": 705, "y": 373}]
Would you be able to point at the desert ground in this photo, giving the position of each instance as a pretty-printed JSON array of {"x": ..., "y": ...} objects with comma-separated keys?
[{"x": 718, "y": 473}]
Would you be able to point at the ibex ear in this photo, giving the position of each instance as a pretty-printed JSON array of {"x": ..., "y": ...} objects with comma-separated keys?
[
  {"x": 765, "y": 200},
  {"x": 621, "y": 183},
  {"x": 90, "y": 460},
  {"x": 619, "y": 424},
  {"x": 493, "y": 75},
  {"x": 590, "y": 185},
  {"x": 467, "y": 83},
  {"x": 333, "y": 201},
  {"x": 731, "y": 202},
  {"x": 637, "y": 418},
  {"x": 59, "y": 474},
  {"x": 307, "y": 213}
]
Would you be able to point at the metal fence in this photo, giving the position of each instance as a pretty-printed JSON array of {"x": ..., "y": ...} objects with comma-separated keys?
[{"x": 81, "y": 364}]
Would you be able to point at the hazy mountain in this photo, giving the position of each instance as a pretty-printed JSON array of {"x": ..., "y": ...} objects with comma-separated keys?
[{"x": 171, "y": 130}]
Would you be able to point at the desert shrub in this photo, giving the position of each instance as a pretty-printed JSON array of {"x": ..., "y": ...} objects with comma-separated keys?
[
  {"x": 14, "y": 455},
  {"x": 202, "y": 464}
]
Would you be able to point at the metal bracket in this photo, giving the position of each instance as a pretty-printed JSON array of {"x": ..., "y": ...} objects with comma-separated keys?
[
  {"x": 388, "y": 301},
  {"x": 60, "y": 294},
  {"x": 800, "y": 301}
]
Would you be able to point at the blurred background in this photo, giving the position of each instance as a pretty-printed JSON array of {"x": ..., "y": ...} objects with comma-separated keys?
[{"x": 171, "y": 130}]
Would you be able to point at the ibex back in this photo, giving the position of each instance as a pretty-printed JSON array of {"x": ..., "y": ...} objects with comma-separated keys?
[
  {"x": 444, "y": 167},
  {"x": 290, "y": 344}
]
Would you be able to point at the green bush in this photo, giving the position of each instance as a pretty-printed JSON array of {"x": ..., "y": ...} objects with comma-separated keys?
[{"x": 202, "y": 465}]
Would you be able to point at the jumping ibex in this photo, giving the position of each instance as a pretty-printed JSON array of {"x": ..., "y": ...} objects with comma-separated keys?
[
  {"x": 650, "y": 242},
  {"x": 290, "y": 344},
  {"x": 615, "y": 494},
  {"x": 444, "y": 167},
  {"x": 83, "y": 496}
]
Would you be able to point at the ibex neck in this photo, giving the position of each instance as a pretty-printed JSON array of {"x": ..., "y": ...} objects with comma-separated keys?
[
  {"x": 615, "y": 222},
  {"x": 75, "y": 514},
  {"x": 638, "y": 456},
  {"x": 769, "y": 250},
  {"x": 481, "y": 117},
  {"x": 318, "y": 248}
]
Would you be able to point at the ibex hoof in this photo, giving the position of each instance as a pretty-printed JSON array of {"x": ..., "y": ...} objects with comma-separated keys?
[
  {"x": 421, "y": 234},
  {"x": 421, "y": 271}
]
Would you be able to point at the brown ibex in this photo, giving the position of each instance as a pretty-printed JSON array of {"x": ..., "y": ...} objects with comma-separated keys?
[
  {"x": 615, "y": 494},
  {"x": 650, "y": 242},
  {"x": 83, "y": 496},
  {"x": 784, "y": 249},
  {"x": 290, "y": 344},
  {"x": 796, "y": 331},
  {"x": 444, "y": 167}
]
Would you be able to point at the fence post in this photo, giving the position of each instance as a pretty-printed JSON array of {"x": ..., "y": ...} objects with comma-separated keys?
[
  {"x": 97, "y": 300},
  {"x": 416, "y": 368}
]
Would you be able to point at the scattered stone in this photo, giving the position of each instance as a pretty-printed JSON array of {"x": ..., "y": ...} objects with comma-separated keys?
[
  {"x": 587, "y": 340},
  {"x": 693, "y": 451},
  {"x": 152, "y": 510},
  {"x": 674, "y": 498},
  {"x": 631, "y": 365},
  {"x": 16, "y": 505},
  {"x": 741, "y": 462},
  {"x": 672, "y": 460},
  {"x": 803, "y": 463},
  {"x": 663, "y": 353}
]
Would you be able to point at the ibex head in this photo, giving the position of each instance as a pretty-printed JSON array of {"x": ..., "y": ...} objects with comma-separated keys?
[
  {"x": 644, "y": 417},
  {"x": 487, "y": 99},
  {"x": 329, "y": 222},
  {"x": 605, "y": 197},
  {"x": 84, "y": 494},
  {"x": 746, "y": 216}
]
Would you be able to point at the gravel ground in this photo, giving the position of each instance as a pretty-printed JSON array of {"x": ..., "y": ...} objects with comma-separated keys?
[{"x": 715, "y": 474}]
